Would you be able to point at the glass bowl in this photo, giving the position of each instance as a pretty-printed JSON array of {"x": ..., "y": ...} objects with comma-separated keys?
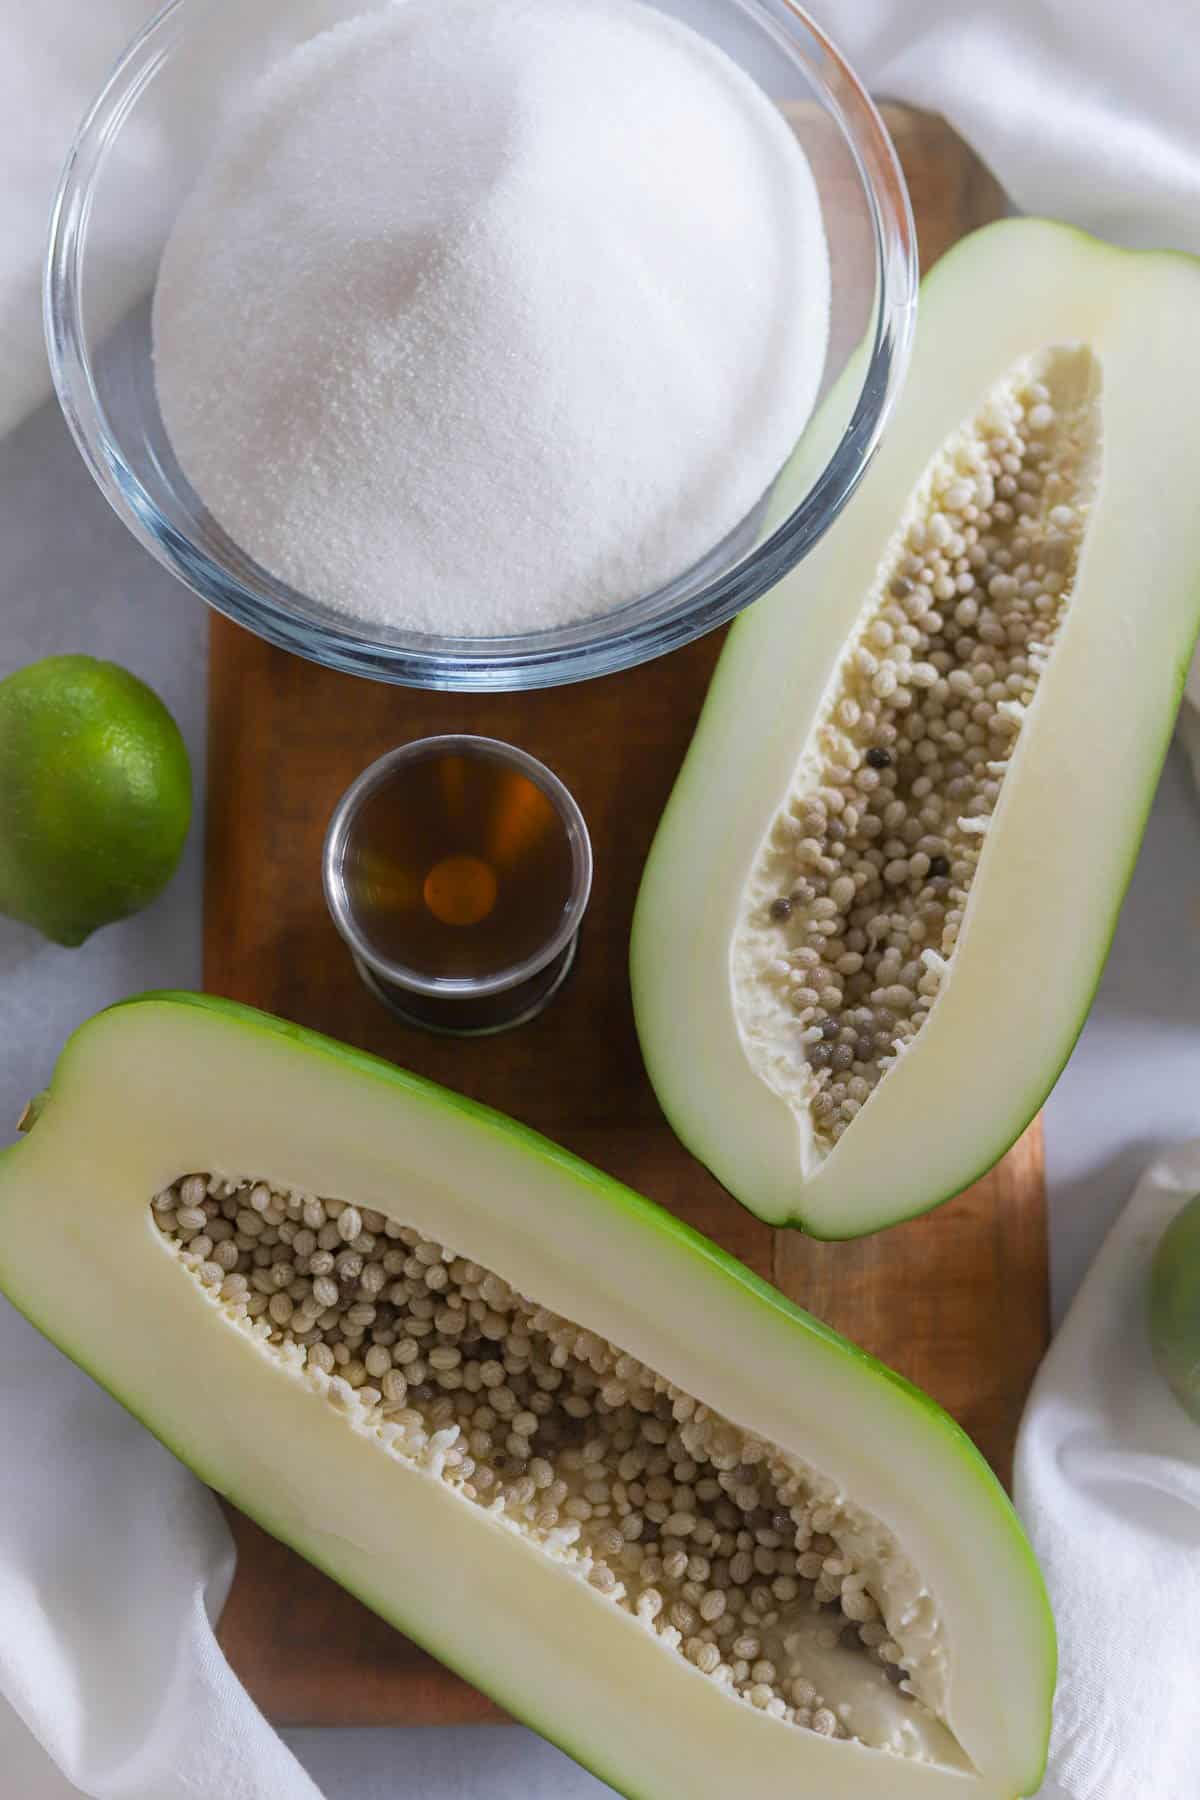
[{"x": 139, "y": 150}]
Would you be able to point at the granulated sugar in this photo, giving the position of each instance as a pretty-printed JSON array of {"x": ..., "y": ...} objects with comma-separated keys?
[{"x": 487, "y": 315}]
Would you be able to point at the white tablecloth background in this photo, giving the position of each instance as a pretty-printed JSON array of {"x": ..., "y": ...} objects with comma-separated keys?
[{"x": 72, "y": 580}]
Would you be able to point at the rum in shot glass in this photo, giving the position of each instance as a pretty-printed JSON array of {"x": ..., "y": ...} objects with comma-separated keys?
[{"x": 457, "y": 870}]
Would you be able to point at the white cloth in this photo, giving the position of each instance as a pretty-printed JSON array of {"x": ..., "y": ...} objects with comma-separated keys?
[
  {"x": 112, "y": 1560},
  {"x": 52, "y": 60},
  {"x": 109, "y": 1657},
  {"x": 1108, "y": 1484}
]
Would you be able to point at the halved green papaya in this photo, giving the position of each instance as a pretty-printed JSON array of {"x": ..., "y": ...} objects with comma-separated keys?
[
  {"x": 580, "y": 1454},
  {"x": 879, "y": 900}
]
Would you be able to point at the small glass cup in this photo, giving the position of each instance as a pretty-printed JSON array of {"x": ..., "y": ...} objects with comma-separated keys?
[{"x": 457, "y": 870}]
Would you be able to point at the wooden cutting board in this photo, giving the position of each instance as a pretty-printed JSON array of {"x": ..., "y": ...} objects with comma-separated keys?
[{"x": 957, "y": 1301}]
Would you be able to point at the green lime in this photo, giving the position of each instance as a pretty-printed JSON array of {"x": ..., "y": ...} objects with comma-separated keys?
[
  {"x": 95, "y": 795},
  {"x": 1175, "y": 1306}
]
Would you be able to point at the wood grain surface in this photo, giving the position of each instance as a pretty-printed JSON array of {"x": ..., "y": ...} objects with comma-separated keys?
[{"x": 957, "y": 1301}]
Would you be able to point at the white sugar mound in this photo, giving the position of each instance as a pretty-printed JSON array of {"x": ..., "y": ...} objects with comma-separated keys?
[{"x": 489, "y": 315}]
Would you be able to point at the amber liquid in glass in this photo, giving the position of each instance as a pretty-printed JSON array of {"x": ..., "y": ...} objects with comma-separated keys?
[{"x": 458, "y": 867}]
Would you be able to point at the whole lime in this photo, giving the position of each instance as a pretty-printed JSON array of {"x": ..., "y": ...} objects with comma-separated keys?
[
  {"x": 1175, "y": 1306},
  {"x": 95, "y": 795}
]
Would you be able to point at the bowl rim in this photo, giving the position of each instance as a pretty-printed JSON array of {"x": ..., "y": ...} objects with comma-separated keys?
[{"x": 634, "y": 632}]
